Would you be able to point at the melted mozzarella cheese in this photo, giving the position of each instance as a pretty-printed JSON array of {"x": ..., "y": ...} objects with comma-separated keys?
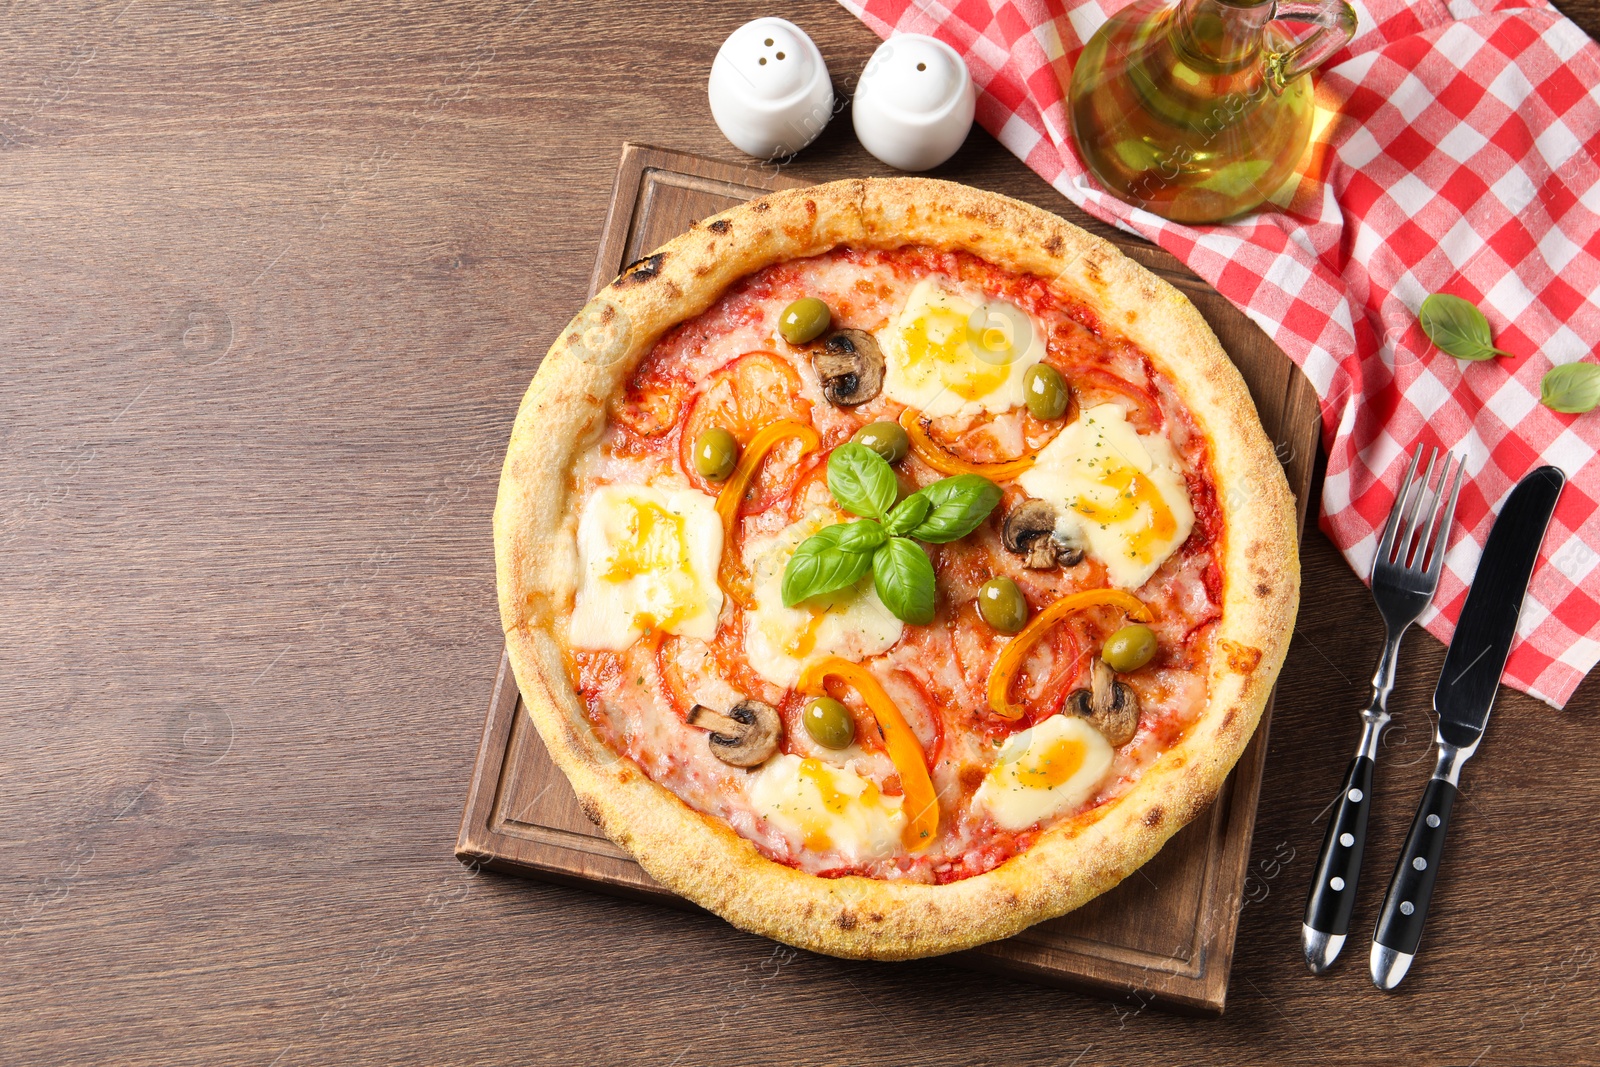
[
  {"x": 781, "y": 641},
  {"x": 1051, "y": 768},
  {"x": 827, "y": 808},
  {"x": 1119, "y": 493},
  {"x": 946, "y": 355},
  {"x": 647, "y": 559}
]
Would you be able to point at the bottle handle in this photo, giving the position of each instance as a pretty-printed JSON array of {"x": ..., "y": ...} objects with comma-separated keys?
[{"x": 1336, "y": 25}]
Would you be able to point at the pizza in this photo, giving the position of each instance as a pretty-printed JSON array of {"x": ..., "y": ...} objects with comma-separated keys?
[{"x": 892, "y": 565}]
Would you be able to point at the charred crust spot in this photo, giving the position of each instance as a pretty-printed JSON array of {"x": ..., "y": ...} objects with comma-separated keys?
[
  {"x": 1242, "y": 659},
  {"x": 1226, "y": 720},
  {"x": 875, "y": 917},
  {"x": 641, "y": 270},
  {"x": 760, "y": 205},
  {"x": 1091, "y": 268},
  {"x": 846, "y": 921},
  {"x": 811, "y": 209},
  {"x": 1263, "y": 589},
  {"x": 1052, "y": 244},
  {"x": 1152, "y": 818},
  {"x": 720, "y": 226},
  {"x": 591, "y": 809}
]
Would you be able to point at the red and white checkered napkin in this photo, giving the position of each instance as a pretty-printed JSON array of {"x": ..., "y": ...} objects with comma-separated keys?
[{"x": 1457, "y": 153}]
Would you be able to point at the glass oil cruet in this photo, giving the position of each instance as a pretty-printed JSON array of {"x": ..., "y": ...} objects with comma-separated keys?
[{"x": 1199, "y": 111}]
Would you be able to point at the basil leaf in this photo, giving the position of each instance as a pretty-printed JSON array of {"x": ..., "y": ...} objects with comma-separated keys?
[
  {"x": 903, "y": 576},
  {"x": 822, "y": 565},
  {"x": 959, "y": 505},
  {"x": 907, "y": 514},
  {"x": 1457, "y": 328},
  {"x": 863, "y": 535},
  {"x": 1571, "y": 389},
  {"x": 862, "y": 481}
]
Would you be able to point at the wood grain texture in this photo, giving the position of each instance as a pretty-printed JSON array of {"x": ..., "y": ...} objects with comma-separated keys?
[
  {"x": 1167, "y": 934},
  {"x": 276, "y": 276}
]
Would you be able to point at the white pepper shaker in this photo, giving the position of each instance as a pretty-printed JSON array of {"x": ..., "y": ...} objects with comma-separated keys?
[
  {"x": 769, "y": 88},
  {"x": 914, "y": 104}
]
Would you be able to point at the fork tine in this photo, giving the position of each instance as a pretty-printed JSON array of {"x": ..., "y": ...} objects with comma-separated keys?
[
  {"x": 1427, "y": 514},
  {"x": 1436, "y": 564},
  {"x": 1386, "y": 544},
  {"x": 1408, "y": 530}
]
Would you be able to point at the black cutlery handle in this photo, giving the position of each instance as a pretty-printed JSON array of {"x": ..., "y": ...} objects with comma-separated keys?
[
  {"x": 1406, "y": 906},
  {"x": 1333, "y": 884}
]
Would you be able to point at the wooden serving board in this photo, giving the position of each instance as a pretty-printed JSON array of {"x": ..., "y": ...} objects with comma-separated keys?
[{"x": 1166, "y": 934}]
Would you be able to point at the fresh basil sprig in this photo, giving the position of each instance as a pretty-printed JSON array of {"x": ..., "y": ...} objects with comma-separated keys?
[
  {"x": 1572, "y": 388},
  {"x": 1457, "y": 327},
  {"x": 880, "y": 541}
]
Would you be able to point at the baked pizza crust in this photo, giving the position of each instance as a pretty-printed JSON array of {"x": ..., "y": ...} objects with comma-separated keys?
[{"x": 700, "y": 857}]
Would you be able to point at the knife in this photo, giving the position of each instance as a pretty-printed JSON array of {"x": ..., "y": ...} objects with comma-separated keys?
[{"x": 1462, "y": 700}]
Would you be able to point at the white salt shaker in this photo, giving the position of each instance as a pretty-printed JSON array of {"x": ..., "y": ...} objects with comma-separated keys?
[
  {"x": 769, "y": 88},
  {"x": 915, "y": 102}
]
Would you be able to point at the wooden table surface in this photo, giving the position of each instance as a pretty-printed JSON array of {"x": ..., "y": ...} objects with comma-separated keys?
[{"x": 275, "y": 277}]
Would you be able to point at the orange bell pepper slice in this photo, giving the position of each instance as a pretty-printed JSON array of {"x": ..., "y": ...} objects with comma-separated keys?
[
  {"x": 750, "y": 460},
  {"x": 732, "y": 495},
  {"x": 927, "y": 450},
  {"x": 905, "y": 751},
  {"x": 1010, "y": 660}
]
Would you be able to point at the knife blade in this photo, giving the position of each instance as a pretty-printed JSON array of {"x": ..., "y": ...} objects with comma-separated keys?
[
  {"x": 1482, "y": 641},
  {"x": 1463, "y": 698}
]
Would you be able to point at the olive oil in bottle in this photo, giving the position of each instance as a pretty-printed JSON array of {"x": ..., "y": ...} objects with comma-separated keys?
[{"x": 1200, "y": 110}]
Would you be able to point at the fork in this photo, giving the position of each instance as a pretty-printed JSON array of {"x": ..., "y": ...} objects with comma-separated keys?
[{"x": 1405, "y": 574}]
